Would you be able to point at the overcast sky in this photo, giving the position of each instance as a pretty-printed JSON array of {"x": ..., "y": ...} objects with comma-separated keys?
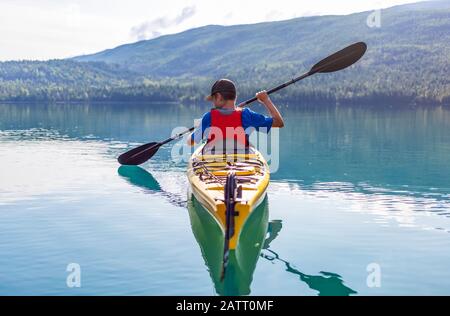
[{"x": 45, "y": 29}]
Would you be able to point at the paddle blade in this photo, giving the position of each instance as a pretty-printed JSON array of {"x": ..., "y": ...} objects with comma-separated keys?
[
  {"x": 341, "y": 59},
  {"x": 139, "y": 154}
]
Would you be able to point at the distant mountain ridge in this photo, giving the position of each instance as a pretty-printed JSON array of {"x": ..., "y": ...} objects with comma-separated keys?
[
  {"x": 216, "y": 50},
  {"x": 407, "y": 58}
]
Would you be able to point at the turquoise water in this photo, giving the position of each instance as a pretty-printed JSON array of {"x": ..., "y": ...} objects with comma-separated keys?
[{"x": 357, "y": 188}]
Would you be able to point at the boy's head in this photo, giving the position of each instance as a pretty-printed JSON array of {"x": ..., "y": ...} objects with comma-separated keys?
[{"x": 222, "y": 92}]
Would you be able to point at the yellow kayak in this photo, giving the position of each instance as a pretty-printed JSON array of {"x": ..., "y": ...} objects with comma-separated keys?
[{"x": 248, "y": 177}]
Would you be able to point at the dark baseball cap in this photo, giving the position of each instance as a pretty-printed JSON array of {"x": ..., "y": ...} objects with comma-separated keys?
[{"x": 222, "y": 85}]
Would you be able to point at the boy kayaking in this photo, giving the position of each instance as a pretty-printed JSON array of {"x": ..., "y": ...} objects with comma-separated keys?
[{"x": 225, "y": 121}]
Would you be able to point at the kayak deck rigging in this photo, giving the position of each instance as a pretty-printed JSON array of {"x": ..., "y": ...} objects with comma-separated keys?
[
  {"x": 208, "y": 174},
  {"x": 215, "y": 171}
]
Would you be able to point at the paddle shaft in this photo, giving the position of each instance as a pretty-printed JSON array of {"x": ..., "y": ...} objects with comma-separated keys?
[
  {"x": 168, "y": 140},
  {"x": 281, "y": 86},
  {"x": 242, "y": 104},
  {"x": 176, "y": 136}
]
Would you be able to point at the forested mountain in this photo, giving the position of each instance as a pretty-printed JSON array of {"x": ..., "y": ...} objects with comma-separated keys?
[{"x": 408, "y": 60}]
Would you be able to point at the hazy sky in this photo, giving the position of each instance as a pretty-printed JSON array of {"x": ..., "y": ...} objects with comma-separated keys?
[{"x": 45, "y": 29}]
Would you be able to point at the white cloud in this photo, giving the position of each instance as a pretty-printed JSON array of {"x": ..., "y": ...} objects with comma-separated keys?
[{"x": 156, "y": 27}]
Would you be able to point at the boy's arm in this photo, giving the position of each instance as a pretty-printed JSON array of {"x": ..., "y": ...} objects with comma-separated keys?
[{"x": 264, "y": 98}]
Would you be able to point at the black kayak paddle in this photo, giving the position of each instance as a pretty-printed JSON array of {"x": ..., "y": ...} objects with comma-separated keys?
[{"x": 337, "y": 61}]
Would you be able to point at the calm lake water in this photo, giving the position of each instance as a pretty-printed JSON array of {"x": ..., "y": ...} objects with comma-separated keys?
[{"x": 360, "y": 205}]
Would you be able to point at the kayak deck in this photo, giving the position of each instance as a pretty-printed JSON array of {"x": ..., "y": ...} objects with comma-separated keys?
[{"x": 207, "y": 174}]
